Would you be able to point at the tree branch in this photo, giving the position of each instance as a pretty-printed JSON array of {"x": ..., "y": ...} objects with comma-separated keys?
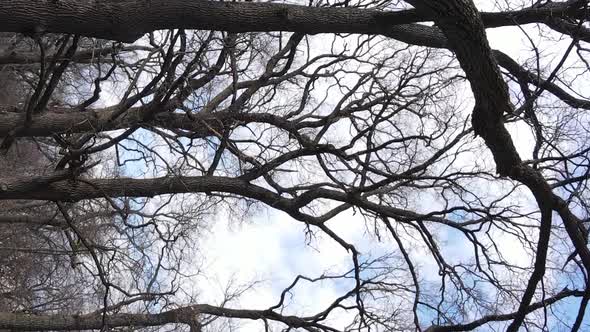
[{"x": 109, "y": 19}]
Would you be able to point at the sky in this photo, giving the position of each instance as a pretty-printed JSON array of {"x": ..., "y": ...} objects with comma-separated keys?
[
  {"x": 266, "y": 250},
  {"x": 272, "y": 247}
]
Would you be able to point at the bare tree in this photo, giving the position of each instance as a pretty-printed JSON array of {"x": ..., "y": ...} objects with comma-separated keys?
[{"x": 155, "y": 118}]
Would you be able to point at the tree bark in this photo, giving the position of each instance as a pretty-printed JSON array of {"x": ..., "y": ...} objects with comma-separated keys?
[
  {"x": 188, "y": 314},
  {"x": 184, "y": 315},
  {"x": 127, "y": 20},
  {"x": 66, "y": 120}
]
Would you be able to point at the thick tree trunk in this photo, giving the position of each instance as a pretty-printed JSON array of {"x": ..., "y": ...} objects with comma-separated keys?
[
  {"x": 184, "y": 315},
  {"x": 200, "y": 124},
  {"x": 58, "y": 121},
  {"x": 127, "y": 20},
  {"x": 46, "y": 188}
]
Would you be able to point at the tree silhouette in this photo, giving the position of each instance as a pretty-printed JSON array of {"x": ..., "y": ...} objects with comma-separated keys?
[{"x": 133, "y": 125}]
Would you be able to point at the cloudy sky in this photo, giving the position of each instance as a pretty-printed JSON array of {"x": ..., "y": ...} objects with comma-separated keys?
[{"x": 268, "y": 249}]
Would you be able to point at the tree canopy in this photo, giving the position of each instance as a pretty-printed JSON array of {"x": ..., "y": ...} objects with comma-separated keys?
[{"x": 439, "y": 146}]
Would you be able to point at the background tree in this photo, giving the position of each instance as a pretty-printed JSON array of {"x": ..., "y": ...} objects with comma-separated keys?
[{"x": 146, "y": 122}]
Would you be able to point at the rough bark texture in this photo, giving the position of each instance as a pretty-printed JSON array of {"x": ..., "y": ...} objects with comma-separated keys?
[
  {"x": 57, "y": 121},
  {"x": 66, "y": 120},
  {"x": 184, "y": 315},
  {"x": 111, "y": 19},
  {"x": 46, "y": 188},
  {"x": 128, "y": 20}
]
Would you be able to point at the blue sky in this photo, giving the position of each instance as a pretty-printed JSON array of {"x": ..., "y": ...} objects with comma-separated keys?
[{"x": 270, "y": 248}]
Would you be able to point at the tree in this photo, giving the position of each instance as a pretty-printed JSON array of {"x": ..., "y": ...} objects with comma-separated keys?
[{"x": 158, "y": 117}]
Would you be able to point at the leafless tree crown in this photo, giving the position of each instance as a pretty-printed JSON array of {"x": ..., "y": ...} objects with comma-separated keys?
[{"x": 130, "y": 129}]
